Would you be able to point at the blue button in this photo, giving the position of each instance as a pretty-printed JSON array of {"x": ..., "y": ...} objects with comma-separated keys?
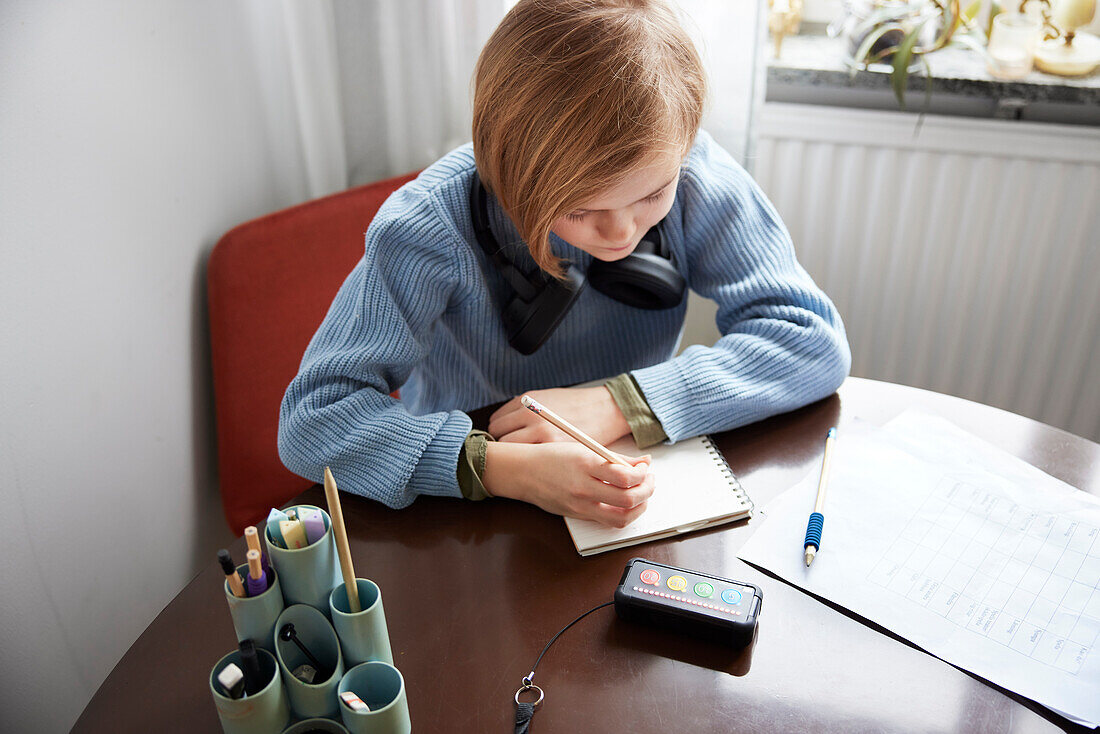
[{"x": 731, "y": 596}]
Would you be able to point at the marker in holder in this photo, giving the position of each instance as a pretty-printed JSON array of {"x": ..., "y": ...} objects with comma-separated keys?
[
  {"x": 307, "y": 574},
  {"x": 313, "y": 632},
  {"x": 363, "y": 635},
  {"x": 380, "y": 686},
  {"x": 250, "y": 667},
  {"x": 254, "y": 617},
  {"x": 262, "y": 712}
]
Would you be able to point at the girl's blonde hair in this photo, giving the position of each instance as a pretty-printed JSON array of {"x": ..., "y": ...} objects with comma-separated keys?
[{"x": 571, "y": 96}]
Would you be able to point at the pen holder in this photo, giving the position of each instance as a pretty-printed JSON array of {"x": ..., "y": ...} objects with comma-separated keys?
[
  {"x": 254, "y": 617},
  {"x": 261, "y": 713},
  {"x": 307, "y": 574},
  {"x": 316, "y": 633},
  {"x": 316, "y": 726},
  {"x": 363, "y": 635},
  {"x": 382, "y": 688}
]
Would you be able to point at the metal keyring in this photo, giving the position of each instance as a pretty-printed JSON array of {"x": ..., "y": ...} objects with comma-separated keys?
[{"x": 527, "y": 687}]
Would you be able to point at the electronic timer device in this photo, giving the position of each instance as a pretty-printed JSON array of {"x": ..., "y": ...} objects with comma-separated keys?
[{"x": 700, "y": 604}]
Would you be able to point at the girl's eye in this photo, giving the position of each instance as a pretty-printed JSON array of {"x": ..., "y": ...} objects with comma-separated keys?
[
  {"x": 654, "y": 197},
  {"x": 651, "y": 199}
]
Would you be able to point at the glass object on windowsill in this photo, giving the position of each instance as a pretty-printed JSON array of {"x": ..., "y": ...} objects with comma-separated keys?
[
  {"x": 871, "y": 27},
  {"x": 1012, "y": 43}
]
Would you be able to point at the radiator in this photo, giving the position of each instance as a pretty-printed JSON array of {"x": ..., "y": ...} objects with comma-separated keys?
[{"x": 964, "y": 256}]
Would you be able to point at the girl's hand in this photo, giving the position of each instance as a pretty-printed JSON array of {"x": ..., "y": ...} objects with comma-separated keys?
[
  {"x": 569, "y": 479},
  {"x": 591, "y": 409}
]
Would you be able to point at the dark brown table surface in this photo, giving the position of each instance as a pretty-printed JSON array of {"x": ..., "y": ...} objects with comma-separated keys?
[{"x": 473, "y": 591}]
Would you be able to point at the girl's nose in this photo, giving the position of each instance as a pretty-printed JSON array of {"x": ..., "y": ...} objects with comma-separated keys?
[{"x": 617, "y": 227}]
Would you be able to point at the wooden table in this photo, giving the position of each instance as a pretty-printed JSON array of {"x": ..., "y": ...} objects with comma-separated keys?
[{"x": 473, "y": 591}]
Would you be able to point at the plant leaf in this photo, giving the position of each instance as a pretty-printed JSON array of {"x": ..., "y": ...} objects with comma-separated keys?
[
  {"x": 927, "y": 91},
  {"x": 899, "y": 77},
  {"x": 869, "y": 41}
]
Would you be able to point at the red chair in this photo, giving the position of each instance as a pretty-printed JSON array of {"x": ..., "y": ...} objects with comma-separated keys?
[{"x": 269, "y": 284}]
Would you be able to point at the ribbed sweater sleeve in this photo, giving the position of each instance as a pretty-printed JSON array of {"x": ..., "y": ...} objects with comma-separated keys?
[
  {"x": 783, "y": 344},
  {"x": 338, "y": 410}
]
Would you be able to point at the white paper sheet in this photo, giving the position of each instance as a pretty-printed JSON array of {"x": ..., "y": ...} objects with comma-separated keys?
[{"x": 970, "y": 553}]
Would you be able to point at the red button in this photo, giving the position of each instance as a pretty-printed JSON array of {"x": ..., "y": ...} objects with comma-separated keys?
[{"x": 649, "y": 576}]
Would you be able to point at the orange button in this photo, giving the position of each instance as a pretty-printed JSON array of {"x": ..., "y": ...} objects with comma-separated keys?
[{"x": 649, "y": 576}]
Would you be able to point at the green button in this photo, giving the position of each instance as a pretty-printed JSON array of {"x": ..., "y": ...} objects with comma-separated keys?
[{"x": 703, "y": 589}]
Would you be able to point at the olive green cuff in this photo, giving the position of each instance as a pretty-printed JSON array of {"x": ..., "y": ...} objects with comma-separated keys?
[
  {"x": 471, "y": 465},
  {"x": 639, "y": 416}
]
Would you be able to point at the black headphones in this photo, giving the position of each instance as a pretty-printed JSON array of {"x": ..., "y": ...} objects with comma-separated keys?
[{"x": 645, "y": 278}]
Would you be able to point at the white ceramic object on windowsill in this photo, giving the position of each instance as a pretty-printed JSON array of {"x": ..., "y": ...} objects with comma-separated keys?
[{"x": 1076, "y": 53}]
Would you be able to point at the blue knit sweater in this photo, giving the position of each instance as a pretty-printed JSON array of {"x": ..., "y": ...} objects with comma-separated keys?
[{"x": 421, "y": 312}]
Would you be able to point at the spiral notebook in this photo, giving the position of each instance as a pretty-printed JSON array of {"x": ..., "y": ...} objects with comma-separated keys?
[{"x": 695, "y": 490}]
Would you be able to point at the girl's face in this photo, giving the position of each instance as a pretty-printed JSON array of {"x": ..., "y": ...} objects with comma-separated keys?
[{"x": 609, "y": 226}]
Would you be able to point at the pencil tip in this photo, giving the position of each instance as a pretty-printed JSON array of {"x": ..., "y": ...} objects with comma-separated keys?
[{"x": 810, "y": 553}]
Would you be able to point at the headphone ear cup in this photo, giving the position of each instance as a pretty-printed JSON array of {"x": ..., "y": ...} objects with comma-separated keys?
[
  {"x": 529, "y": 324},
  {"x": 641, "y": 280}
]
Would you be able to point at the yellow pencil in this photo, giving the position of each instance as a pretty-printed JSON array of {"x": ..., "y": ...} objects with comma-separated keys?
[{"x": 542, "y": 411}]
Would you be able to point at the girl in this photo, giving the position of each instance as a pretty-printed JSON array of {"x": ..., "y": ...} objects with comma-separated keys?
[{"x": 587, "y": 167}]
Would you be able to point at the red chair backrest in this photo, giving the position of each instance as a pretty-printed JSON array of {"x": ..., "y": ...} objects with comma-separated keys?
[{"x": 269, "y": 284}]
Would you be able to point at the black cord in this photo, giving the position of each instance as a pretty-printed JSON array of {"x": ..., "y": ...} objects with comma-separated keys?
[
  {"x": 526, "y": 710},
  {"x": 560, "y": 632}
]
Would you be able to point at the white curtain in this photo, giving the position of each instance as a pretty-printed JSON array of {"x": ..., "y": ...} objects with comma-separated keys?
[{"x": 384, "y": 87}]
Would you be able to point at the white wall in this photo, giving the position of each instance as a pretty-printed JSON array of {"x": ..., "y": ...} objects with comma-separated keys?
[{"x": 132, "y": 135}]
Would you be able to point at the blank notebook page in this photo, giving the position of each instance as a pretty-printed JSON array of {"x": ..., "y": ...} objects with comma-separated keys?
[{"x": 695, "y": 489}]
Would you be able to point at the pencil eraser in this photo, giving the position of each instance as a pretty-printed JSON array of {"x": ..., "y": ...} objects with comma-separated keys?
[
  {"x": 226, "y": 562},
  {"x": 232, "y": 680},
  {"x": 314, "y": 523},
  {"x": 353, "y": 702},
  {"x": 294, "y": 535},
  {"x": 273, "y": 519}
]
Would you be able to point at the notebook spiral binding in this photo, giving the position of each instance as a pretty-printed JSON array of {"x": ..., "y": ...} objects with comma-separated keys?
[{"x": 735, "y": 483}]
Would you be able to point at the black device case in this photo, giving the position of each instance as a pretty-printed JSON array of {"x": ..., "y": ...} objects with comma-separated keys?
[{"x": 714, "y": 625}]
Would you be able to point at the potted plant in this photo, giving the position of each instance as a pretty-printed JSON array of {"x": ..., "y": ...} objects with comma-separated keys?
[{"x": 894, "y": 35}]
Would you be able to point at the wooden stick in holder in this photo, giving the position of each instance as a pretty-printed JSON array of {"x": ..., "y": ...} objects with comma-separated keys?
[{"x": 342, "y": 547}]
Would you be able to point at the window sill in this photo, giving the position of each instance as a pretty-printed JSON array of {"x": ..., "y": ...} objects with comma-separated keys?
[{"x": 811, "y": 70}]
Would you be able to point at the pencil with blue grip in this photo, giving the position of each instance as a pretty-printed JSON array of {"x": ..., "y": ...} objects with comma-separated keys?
[{"x": 812, "y": 544}]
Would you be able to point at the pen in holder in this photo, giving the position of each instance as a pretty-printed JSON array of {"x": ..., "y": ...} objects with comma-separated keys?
[
  {"x": 254, "y": 616},
  {"x": 262, "y": 712},
  {"x": 304, "y": 639},
  {"x": 363, "y": 635},
  {"x": 380, "y": 686},
  {"x": 308, "y": 573}
]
